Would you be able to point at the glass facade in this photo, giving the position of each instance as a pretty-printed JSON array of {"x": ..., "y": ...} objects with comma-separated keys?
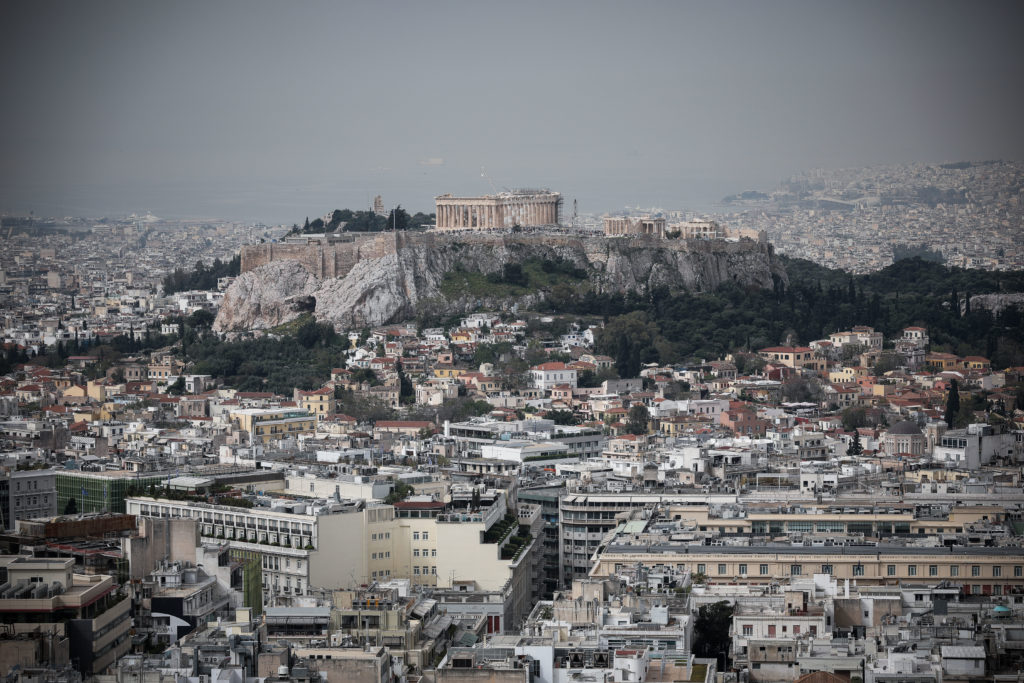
[{"x": 96, "y": 493}]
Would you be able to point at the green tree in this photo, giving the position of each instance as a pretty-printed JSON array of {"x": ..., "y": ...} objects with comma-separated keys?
[
  {"x": 201, "y": 318},
  {"x": 406, "y": 391},
  {"x": 398, "y": 219},
  {"x": 855, "y": 448},
  {"x": 636, "y": 421},
  {"x": 952, "y": 404},
  {"x": 178, "y": 388},
  {"x": 401, "y": 491},
  {"x": 853, "y": 417},
  {"x": 562, "y": 417},
  {"x": 711, "y": 629}
]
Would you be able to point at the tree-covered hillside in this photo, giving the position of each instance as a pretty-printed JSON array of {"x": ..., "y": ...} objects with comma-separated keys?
[{"x": 662, "y": 326}]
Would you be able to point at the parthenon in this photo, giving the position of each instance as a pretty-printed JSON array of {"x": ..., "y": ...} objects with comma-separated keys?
[{"x": 499, "y": 211}]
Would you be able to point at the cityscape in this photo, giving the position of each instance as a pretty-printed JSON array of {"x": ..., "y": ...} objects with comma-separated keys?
[{"x": 417, "y": 423}]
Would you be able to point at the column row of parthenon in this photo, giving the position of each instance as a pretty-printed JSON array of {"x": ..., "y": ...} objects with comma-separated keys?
[{"x": 494, "y": 212}]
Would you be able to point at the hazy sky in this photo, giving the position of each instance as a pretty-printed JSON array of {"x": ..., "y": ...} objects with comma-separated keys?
[{"x": 277, "y": 110}]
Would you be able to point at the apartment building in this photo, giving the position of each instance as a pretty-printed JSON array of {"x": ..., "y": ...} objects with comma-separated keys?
[
  {"x": 27, "y": 494},
  {"x": 46, "y": 594},
  {"x": 473, "y": 543},
  {"x": 272, "y": 424}
]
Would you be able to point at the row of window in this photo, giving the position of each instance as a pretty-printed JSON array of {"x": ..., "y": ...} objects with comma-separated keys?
[
  {"x": 250, "y": 521},
  {"x": 748, "y": 630},
  {"x": 287, "y": 585},
  {"x": 274, "y": 562},
  {"x": 858, "y": 570}
]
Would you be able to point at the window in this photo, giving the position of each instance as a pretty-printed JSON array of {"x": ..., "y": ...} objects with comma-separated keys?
[
  {"x": 933, "y": 570},
  {"x": 373, "y": 556},
  {"x": 416, "y": 570},
  {"x": 826, "y": 569},
  {"x": 796, "y": 629},
  {"x": 764, "y": 570},
  {"x": 890, "y": 570},
  {"x": 433, "y": 552},
  {"x": 743, "y": 570},
  {"x": 858, "y": 570},
  {"x": 701, "y": 568},
  {"x": 997, "y": 571},
  {"x": 721, "y": 569},
  {"x": 426, "y": 535},
  {"x": 415, "y": 535},
  {"x": 975, "y": 570},
  {"x": 748, "y": 629},
  {"x": 794, "y": 569},
  {"x": 912, "y": 569},
  {"x": 1018, "y": 570},
  {"x": 954, "y": 570},
  {"x": 415, "y": 552},
  {"x": 433, "y": 570}
]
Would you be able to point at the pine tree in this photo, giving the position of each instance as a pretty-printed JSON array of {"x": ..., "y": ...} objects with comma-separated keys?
[
  {"x": 952, "y": 404},
  {"x": 855, "y": 448},
  {"x": 406, "y": 391}
]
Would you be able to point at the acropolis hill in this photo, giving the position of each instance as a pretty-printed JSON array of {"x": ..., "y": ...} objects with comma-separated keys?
[{"x": 361, "y": 279}]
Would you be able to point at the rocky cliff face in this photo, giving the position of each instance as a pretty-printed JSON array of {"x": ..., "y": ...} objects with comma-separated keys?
[
  {"x": 997, "y": 303},
  {"x": 394, "y": 285}
]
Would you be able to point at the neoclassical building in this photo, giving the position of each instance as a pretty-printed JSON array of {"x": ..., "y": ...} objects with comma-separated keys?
[
  {"x": 616, "y": 226},
  {"x": 525, "y": 208},
  {"x": 904, "y": 438}
]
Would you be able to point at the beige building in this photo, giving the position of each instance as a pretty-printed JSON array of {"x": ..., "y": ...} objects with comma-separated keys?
[
  {"x": 271, "y": 424},
  {"x": 498, "y": 212},
  {"x": 980, "y": 570},
  {"x": 620, "y": 226}
]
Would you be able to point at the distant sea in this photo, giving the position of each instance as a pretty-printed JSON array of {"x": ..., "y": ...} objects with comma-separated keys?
[{"x": 281, "y": 204}]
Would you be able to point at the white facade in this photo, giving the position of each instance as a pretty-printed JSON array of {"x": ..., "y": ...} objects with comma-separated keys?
[{"x": 549, "y": 375}]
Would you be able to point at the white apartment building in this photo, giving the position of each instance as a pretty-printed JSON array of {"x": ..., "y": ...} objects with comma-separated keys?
[
  {"x": 284, "y": 539},
  {"x": 307, "y": 546},
  {"x": 548, "y": 375}
]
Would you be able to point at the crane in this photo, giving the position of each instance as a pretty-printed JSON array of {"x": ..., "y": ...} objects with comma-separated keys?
[{"x": 483, "y": 174}]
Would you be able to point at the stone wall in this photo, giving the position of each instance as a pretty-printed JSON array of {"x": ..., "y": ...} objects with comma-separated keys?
[
  {"x": 334, "y": 259},
  {"x": 323, "y": 259}
]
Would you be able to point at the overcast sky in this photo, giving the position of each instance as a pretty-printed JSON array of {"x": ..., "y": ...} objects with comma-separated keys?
[{"x": 277, "y": 110}]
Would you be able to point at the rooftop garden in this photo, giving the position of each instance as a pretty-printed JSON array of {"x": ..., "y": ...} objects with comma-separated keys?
[
  {"x": 501, "y": 529},
  {"x": 515, "y": 546}
]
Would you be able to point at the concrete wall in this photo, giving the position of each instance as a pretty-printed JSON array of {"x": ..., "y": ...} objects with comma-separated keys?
[{"x": 175, "y": 539}]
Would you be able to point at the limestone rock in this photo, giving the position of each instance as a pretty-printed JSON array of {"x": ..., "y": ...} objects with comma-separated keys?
[
  {"x": 265, "y": 297},
  {"x": 396, "y": 283},
  {"x": 996, "y": 303}
]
